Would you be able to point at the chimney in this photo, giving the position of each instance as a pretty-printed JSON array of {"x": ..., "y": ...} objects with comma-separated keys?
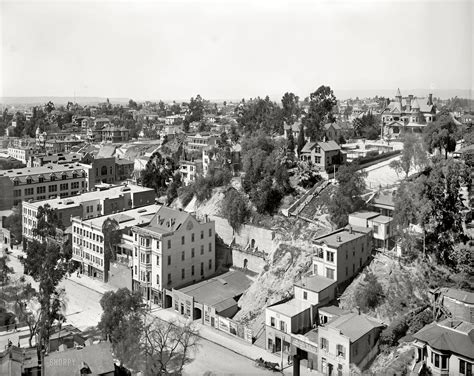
[
  {"x": 430, "y": 99},
  {"x": 62, "y": 347},
  {"x": 350, "y": 229}
]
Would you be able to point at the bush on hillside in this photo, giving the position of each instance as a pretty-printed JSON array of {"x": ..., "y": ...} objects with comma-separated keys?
[
  {"x": 235, "y": 208},
  {"x": 369, "y": 295},
  {"x": 186, "y": 194},
  {"x": 396, "y": 330}
]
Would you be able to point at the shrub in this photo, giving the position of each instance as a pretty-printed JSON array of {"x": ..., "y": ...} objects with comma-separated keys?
[
  {"x": 235, "y": 208},
  {"x": 186, "y": 194},
  {"x": 420, "y": 320},
  {"x": 369, "y": 295},
  {"x": 396, "y": 330}
]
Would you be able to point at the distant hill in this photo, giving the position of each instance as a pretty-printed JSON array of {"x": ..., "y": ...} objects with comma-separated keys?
[{"x": 59, "y": 100}]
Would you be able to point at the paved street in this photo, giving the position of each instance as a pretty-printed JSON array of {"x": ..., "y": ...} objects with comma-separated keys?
[{"x": 213, "y": 357}]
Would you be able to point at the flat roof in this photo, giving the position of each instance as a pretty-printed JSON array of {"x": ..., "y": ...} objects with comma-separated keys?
[
  {"x": 290, "y": 308},
  {"x": 341, "y": 236},
  {"x": 333, "y": 311},
  {"x": 315, "y": 283},
  {"x": 219, "y": 292},
  {"x": 127, "y": 218},
  {"x": 382, "y": 219},
  {"x": 364, "y": 214},
  {"x": 46, "y": 169},
  {"x": 68, "y": 202}
]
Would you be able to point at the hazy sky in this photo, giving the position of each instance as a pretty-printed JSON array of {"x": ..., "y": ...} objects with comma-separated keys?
[{"x": 232, "y": 49}]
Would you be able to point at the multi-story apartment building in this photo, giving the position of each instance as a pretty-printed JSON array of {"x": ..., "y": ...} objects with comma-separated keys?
[
  {"x": 351, "y": 338},
  {"x": 88, "y": 238},
  {"x": 173, "y": 250},
  {"x": 41, "y": 183},
  {"x": 340, "y": 254},
  {"x": 381, "y": 225},
  {"x": 200, "y": 141},
  {"x": 21, "y": 153},
  {"x": 445, "y": 348},
  {"x": 190, "y": 170},
  {"x": 88, "y": 205}
]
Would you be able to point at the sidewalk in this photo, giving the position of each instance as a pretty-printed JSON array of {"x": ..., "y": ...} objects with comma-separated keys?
[{"x": 232, "y": 343}]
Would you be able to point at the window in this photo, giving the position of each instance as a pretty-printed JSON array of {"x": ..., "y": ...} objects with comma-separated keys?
[
  {"x": 330, "y": 273},
  {"x": 282, "y": 326},
  {"x": 182, "y": 239},
  {"x": 347, "y": 271},
  {"x": 324, "y": 344},
  {"x": 272, "y": 321},
  {"x": 330, "y": 256},
  {"x": 158, "y": 260},
  {"x": 192, "y": 252},
  {"x": 169, "y": 244},
  {"x": 135, "y": 270},
  {"x": 202, "y": 234},
  {"x": 202, "y": 268},
  {"x": 210, "y": 232},
  {"x": 64, "y": 187},
  {"x": 192, "y": 269},
  {"x": 169, "y": 277},
  {"x": 157, "y": 279},
  {"x": 210, "y": 264},
  {"x": 53, "y": 178},
  {"x": 320, "y": 253},
  {"x": 192, "y": 237},
  {"x": 444, "y": 362},
  {"x": 53, "y": 188},
  {"x": 341, "y": 351},
  {"x": 169, "y": 260},
  {"x": 182, "y": 273},
  {"x": 305, "y": 295},
  {"x": 210, "y": 247},
  {"x": 202, "y": 249},
  {"x": 436, "y": 360},
  {"x": 376, "y": 229},
  {"x": 182, "y": 256},
  {"x": 64, "y": 176}
]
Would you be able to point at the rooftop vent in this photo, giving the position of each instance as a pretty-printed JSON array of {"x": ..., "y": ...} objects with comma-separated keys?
[
  {"x": 141, "y": 211},
  {"x": 338, "y": 238}
]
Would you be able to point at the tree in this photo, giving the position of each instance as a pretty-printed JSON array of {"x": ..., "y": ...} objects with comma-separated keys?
[
  {"x": 47, "y": 222},
  {"x": 319, "y": 113},
  {"x": 369, "y": 295},
  {"x": 111, "y": 231},
  {"x": 47, "y": 263},
  {"x": 158, "y": 173},
  {"x": 442, "y": 134},
  {"x": 367, "y": 126},
  {"x": 301, "y": 140},
  {"x": 347, "y": 198},
  {"x": 118, "y": 309},
  {"x": 172, "y": 190},
  {"x": 14, "y": 224},
  {"x": 260, "y": 115},
  {"x": 235, "y": 208},
  {"x": 27, "y": 308},
  {"x": 167, "y": 346},
  {"x": 290, "y": 143},
  {"x": 5, "y": 271},
  {"x": 291, "y": 109},
  {"x": 413, "y": 156}
]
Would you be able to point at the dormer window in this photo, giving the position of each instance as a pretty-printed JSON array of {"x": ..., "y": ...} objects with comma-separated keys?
[
  {"x": 53, "y": 177},
  {"x": 28, "y": 180},
  {"x": 64, "y": 176}
]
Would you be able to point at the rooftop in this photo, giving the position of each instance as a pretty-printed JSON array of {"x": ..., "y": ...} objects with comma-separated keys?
[
  {"x": 333, "y": 311},
  {"x": 315, "y": 283},
  {"x": 449, "y": 335},
  {"x": 61, "y": 203},
  {"x": 97, "y": 357},
  {"x": 290, "y": 308},
  {"x": 354, "y": 325},
  {"x": 167, "y": 220},
  {"x": 219, "y": 292},
  {"x": 364, "y": 214},
  {"x": 382, "y": 219},
  {"x": 461, "y": 295},
  {"x": 127, "y": 218},
  {"x": 46, "y": 169},
  {"x": 341, "y": 236}
]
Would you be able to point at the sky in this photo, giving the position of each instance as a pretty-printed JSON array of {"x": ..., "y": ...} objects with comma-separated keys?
[{"x": 232, "y": 49}]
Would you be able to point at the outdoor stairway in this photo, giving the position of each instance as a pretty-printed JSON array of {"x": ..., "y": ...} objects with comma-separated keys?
[{"x": 260, "y": 341}]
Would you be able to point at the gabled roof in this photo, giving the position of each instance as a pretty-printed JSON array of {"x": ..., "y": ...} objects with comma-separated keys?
[
  {"x": 167, "y": 220},
  {"x": 449, "y": 335},
  {"x": 329, "y": 145},
  {"x": 461, "y": 295}
]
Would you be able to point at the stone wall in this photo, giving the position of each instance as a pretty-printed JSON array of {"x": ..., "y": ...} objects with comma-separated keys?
[
  {"x": 248, "y": 260},
  {"x": 257, "y": 238}
]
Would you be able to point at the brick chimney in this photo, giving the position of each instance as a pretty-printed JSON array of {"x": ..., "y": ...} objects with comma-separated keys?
[
  {"x": 430, "y": 99},
  {"x": 409, "y": 99}
]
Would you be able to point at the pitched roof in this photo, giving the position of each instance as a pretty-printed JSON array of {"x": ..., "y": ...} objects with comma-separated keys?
[
  {"x": 449, "y": 335},
  {"x": 315, "y": 283},
  {"x": 461, "y": 295},
  {"x": 354, "y": 325},
  {"x": 329, "y": 145},
  {"x": 167, "y": 220},
  {"x": 98, "y": 358}
]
